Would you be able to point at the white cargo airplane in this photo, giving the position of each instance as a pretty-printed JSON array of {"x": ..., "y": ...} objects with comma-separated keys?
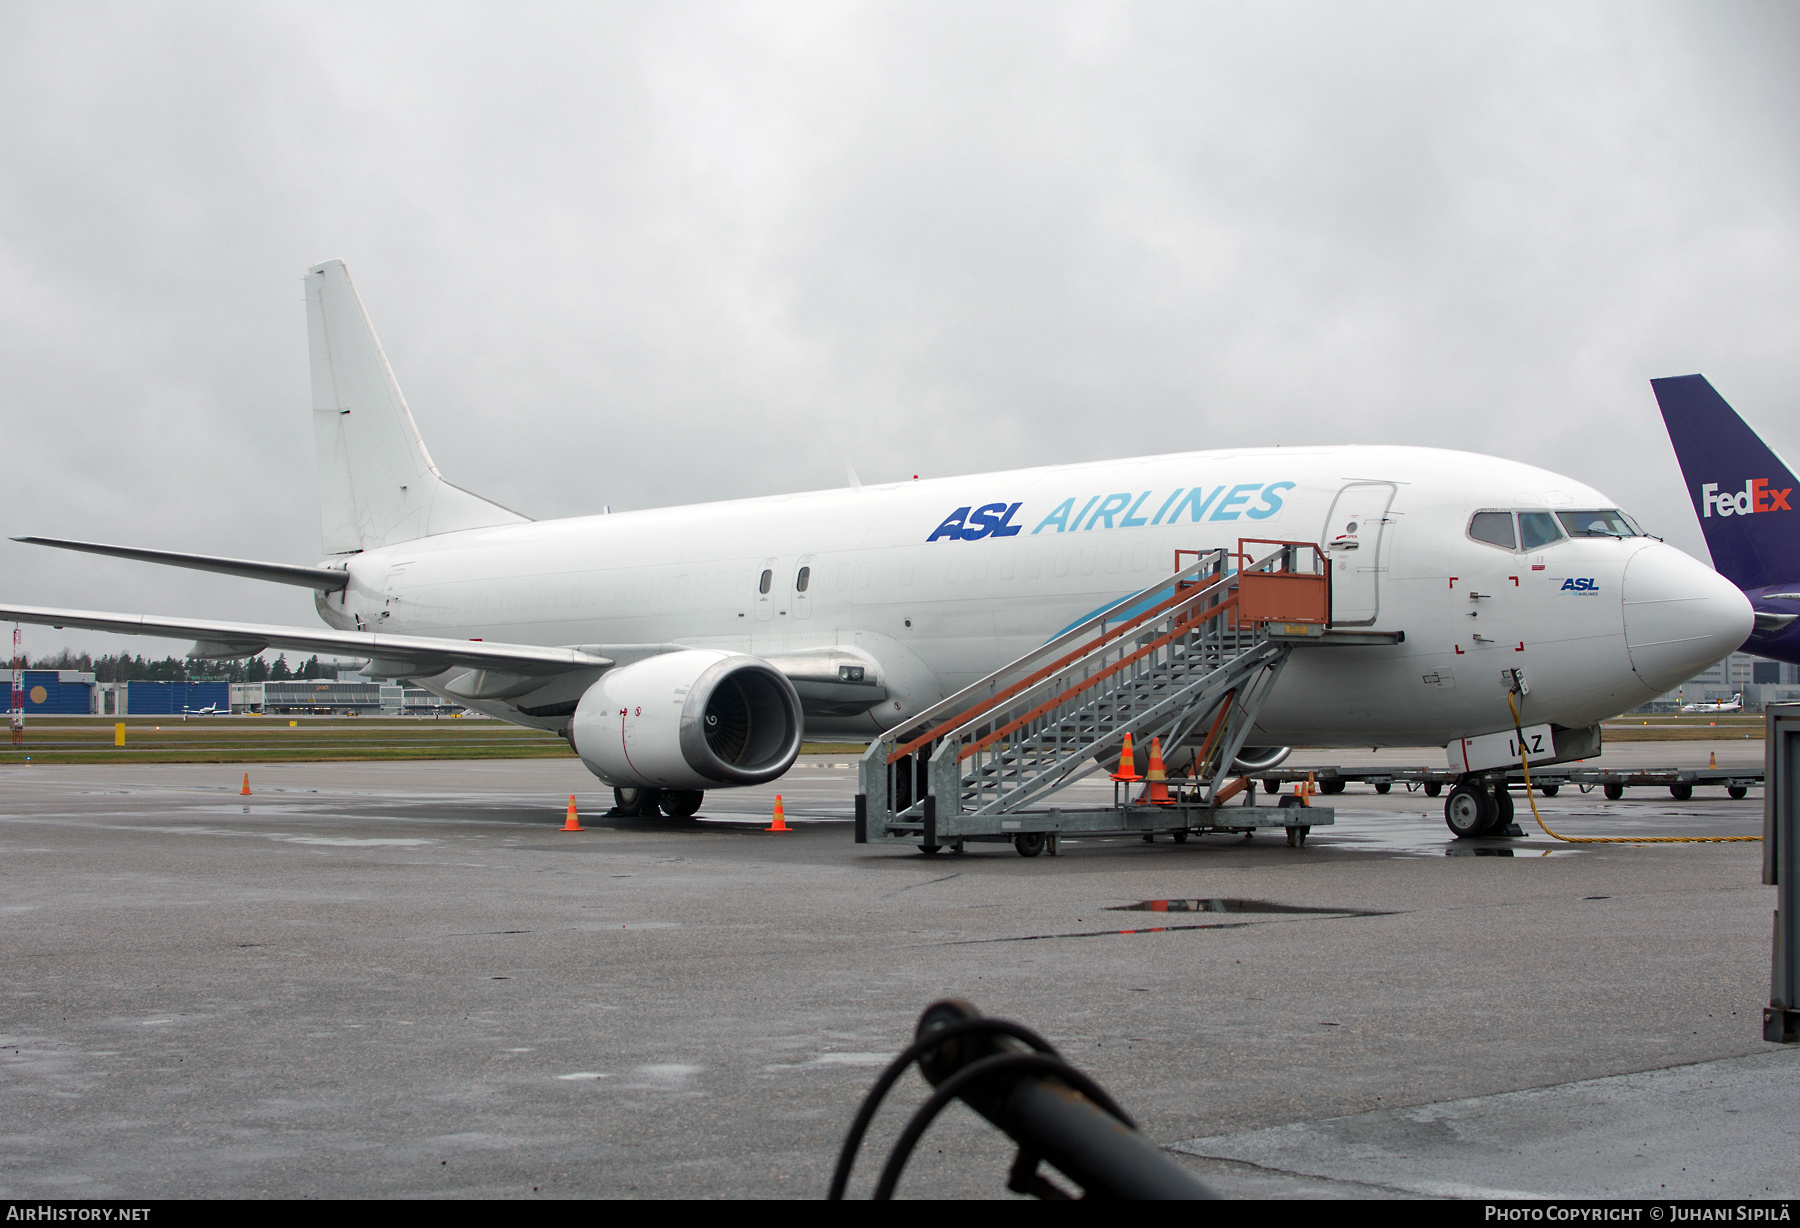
[
  {"x": 686, "y": 648},
  {"x": 1734, "y": 704}
]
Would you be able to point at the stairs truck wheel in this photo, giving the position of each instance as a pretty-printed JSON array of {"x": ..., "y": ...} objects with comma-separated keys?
[
  {"x": 1180, "y": 837},
  {"x": 1331, "y": 786},
  {"x": 1736, "y": 791},
  {"x": 1549, "y": 790},
  {"x": 931, "y": 850},
  {"x": 1271, "y": 786},
  {"x": 1681, "y": 793},
  {"x": 1382, "y": 786},
  {"x": 1469, "y": 811},
  {"x": 1433, "y": 788},
  {"x": 1297, "y": 837},
  {"x": 637, "y": 803},
  {"x": 1029, "y": 843},
  {"x": 682, "y": 803},
  {"x": 1613, "y": 792}
]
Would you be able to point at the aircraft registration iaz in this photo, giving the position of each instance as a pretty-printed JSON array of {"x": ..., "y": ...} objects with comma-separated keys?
[{"x": 689, "y": 648}]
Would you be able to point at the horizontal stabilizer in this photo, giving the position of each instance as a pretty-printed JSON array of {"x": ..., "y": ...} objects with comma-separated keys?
[
  {"x": 324, "y": 579},
  {"x": 423, "y": 654}
]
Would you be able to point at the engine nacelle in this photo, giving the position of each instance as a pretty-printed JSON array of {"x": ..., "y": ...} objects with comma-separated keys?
[
  {"x": 1259, "y": 758},
  {"x": 698, "y": 719}
]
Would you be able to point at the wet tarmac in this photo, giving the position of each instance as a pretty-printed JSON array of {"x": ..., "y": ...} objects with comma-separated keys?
[{"x": 404, "y": 979}]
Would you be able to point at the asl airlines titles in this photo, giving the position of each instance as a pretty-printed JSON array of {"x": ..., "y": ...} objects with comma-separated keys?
[{"x": 1122, "y": 509}]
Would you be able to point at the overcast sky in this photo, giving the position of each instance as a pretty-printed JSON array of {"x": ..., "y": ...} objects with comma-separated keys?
[{"x": 648, "y": 254}]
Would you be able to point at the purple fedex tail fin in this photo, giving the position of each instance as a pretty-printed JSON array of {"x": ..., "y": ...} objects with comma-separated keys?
[{"x": 1745, "y": 495}]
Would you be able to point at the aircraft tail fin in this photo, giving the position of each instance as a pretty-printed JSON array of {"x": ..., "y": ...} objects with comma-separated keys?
[
  {"x": 377, "y": 485},
  {"x": 1745, "y": 496}
]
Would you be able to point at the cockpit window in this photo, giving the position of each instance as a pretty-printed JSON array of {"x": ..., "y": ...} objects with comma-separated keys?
[
  {"x": 1537, "y": 529},
  {"x": 1609, "y": 522},
  {"x": 1494, "y": 528}
]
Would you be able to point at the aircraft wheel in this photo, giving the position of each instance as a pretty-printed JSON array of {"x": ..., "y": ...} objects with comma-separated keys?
[
  {"x": 1681, "y": 793},
  {"x": 1737, "y": 791},
  {"x": 1271, "y": 786},
  {"x": 1613, "y": 792},
  {"x": 637, "y": 803},
  {"x": 682, "y": 803},
  {"x": 1503, "y": 806},
  {"x": 1549, "y": 790},
  {"x": 1382, "y": 786},
  {"x": 1029, "y": 843},
  {"x": 1433, "y": 788},
  {"x": 1470, "y": 811}
]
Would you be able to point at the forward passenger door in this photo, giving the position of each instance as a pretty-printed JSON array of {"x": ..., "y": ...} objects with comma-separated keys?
[{"x": 1352, "y": 539}]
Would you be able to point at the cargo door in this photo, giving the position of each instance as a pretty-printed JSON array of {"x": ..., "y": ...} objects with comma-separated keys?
[{"x": 1353, "y": 542}]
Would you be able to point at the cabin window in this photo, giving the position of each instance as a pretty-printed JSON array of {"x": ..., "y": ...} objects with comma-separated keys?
[
  {"x": 762, "y": 586},
  {"x": 1538, "y": 529},
  {"x": 1494, "y": 528},
  {"x": 803, "y": 579},
  {"x": 1610, "y": 522}
]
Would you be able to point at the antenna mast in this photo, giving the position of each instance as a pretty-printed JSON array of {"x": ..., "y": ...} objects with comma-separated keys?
[{"x": 18, "y": 688}]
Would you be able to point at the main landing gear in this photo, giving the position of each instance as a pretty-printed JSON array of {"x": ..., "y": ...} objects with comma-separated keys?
[
  {"x": 1474, "y": 809},
  {"x": 649, "y": 803}
]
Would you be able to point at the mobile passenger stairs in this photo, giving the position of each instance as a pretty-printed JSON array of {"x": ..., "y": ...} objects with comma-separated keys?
[{"x": 1189, "y": 660}]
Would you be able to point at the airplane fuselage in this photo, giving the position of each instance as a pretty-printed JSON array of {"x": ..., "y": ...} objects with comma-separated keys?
[{"x": 939, "y": 582}]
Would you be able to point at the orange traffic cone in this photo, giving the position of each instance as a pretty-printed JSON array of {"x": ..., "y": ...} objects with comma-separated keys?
[
  {"x": 1712, "y": 760},
  {"x": 573, "y": 822},
  {"x": 780, "y": 823},
  {"x": 1127, "y": 763},
  {"x": 245, "y": 792},
  {"x": 1156, "y": 787}
]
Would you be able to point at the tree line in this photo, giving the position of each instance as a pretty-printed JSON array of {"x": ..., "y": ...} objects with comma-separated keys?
[{"x": 127, "y": 668}]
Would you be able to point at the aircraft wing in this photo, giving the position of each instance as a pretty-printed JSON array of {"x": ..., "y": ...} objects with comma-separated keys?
[{"x": 390, "y": 655}]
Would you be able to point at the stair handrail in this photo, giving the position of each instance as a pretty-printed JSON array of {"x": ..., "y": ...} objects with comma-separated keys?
[
  {"x": 962, "y": 716},
  {"x": 1173, "y": 605},
  {"x": 1095, "y": 679}
]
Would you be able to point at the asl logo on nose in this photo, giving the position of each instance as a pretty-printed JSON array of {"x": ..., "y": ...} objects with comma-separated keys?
[
  {"x": 1582, "y": 584},
  {"x": 1757, "y": 496}
]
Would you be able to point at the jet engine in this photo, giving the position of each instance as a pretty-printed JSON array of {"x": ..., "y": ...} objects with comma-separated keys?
[{"x": 695, "y": 719}]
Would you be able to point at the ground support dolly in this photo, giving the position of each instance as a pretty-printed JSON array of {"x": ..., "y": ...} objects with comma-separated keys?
[
  {"x": 1037, "y": 831},
  {"x": 1680, "y": 782}
]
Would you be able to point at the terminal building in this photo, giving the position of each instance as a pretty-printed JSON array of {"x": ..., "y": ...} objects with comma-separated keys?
[
  {"x": 1760, "y": 682},
  {"x": 349, "y": 694}
]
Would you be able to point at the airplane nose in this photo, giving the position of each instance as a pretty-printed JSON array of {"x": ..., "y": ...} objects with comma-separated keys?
[{"x": 1680, "y": 616}]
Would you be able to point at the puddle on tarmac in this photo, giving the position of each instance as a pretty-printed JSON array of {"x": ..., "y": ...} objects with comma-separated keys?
[{"x": 1232, "y": 905}]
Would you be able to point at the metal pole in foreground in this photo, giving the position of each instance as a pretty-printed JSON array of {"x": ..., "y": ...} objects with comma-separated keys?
[{"x": 1781, "y": 868}]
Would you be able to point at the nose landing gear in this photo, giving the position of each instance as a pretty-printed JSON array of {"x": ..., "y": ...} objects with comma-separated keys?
[{"x": 1474, "y": 809}]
